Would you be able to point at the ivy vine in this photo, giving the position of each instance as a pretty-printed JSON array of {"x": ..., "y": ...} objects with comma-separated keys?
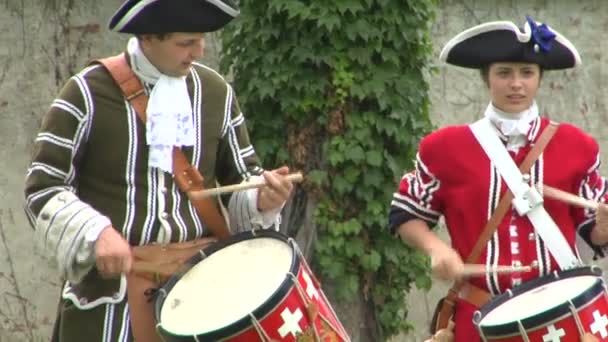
[{"x": 337, "y": 89}]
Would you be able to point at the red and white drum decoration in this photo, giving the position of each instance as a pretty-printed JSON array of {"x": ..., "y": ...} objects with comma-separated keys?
[
  {"x": 560, "y": 307},
  {"x": 253, "y": 286}
]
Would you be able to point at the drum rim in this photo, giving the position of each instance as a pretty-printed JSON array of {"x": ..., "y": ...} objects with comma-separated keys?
[
  {"x": 547, "y": 316},
  {"x": 244, "y": 323}
]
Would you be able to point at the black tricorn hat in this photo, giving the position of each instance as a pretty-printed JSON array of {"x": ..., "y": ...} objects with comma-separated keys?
[
  {"x": 503, "y": 41},
  {"x": 166, "y": 16}
]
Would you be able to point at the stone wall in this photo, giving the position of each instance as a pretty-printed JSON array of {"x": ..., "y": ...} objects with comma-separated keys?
[{"x": 43, "y": 42}]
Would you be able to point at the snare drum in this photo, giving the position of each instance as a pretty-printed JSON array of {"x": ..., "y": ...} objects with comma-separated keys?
[
  {"x": 253, "y": 286},
  {"x": 560, "y": 307}
]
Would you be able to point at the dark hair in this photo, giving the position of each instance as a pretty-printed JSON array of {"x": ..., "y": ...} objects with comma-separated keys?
[
  {"x": 159, "y": 36},
  {"x": 485, "y": 74}
]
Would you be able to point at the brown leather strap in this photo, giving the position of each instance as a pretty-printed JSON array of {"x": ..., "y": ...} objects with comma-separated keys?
[
  {"x": 447, "y": 309},
  {"x": 187, "y": 177},
  {"x": 474, "y": 294},
  {"x": 141, "y": 309}
]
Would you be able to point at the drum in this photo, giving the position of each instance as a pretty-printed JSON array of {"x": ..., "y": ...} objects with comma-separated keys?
[
  {"x": 560, "y": 307},
  {"x": 253, "y": 286}
]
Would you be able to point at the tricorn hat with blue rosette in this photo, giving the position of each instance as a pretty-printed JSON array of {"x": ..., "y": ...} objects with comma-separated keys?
[
  {"x": 166, "y": 16},
  {"x": 503, "y": 41}
]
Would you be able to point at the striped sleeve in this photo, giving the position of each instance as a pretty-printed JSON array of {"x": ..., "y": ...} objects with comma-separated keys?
[
  {"x": 239, "y": 162},
  {"x": 593, "y": 187},
  {"x": 52, "y": 176},
  {"x": 416, "y": 198}
]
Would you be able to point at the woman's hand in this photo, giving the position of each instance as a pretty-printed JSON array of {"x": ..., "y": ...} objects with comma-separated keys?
[{"x": 446, "y": 264}]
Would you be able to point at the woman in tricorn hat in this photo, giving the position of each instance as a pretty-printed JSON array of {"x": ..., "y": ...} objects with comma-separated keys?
[{"x": 455, "y": 178}]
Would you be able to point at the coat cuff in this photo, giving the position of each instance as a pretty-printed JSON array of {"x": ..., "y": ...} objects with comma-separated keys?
[
  {"x": 244, "y": 214},
  {"x": 67, "y": 229}
]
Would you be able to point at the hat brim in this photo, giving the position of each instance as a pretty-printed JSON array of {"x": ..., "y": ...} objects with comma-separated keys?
[
  {"x": 166, "y": 16},
  {"x": 503, "y": 41}
]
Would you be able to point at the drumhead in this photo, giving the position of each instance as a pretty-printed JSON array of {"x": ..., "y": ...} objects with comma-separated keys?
[
  {"x": 539, "y": 301},
  {"x": 227, "y": 285}
]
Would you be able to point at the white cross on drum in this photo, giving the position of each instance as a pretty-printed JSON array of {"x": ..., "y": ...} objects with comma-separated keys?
[
  {"x": 291, "y": 322},
  {"x": 599, "y": 324},
  {"x": 553, "y": 335},
  {"x": 311, "y": 290}
]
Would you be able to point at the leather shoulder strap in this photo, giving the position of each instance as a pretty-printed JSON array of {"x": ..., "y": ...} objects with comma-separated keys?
[{"x": 187, "y": 177}]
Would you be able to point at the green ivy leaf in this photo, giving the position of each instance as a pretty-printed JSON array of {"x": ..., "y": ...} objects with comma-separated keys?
[
  {"x": 374, "y": 158},
  {"x": 355, "y": 154}
]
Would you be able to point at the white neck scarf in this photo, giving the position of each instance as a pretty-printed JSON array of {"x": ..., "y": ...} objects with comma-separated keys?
[
  {"x": 169, "y": 111},
  {"x": 514, "y": 126}
]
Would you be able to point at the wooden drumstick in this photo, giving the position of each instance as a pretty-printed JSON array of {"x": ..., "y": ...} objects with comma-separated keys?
[
  {"x": 294, "y": 178},
  {"x": 478, "y": 269},
  {"x": 568, "y": 197}
]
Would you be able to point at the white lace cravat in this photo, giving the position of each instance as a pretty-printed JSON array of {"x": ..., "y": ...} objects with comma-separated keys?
[
  {"x": 169, "y": 111},
  {"x": 514, "y": 126}
]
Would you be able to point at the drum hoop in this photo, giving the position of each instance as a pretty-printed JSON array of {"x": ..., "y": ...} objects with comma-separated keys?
[
  {"x": 260, "y": 312},
  {"x": 551, "y": 315}
]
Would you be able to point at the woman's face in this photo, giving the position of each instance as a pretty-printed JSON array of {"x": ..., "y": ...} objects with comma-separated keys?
[{"x": 513, "y": 86}]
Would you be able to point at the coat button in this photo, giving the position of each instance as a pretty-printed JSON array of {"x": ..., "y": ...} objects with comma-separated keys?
[
  {"x": 164, "y": 216},
  {"x": 45, "y": 216},
  {"x": 83, "y": 301},
  {"x": 116, "y": 295}
]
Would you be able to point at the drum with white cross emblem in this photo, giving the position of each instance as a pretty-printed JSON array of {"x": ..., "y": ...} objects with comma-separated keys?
[
  {"x": 559, "y": 307},
  {"x": 253, "y": 286}
]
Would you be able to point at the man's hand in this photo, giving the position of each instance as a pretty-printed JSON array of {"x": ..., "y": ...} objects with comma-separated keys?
[
  {"x": 277, "y": 189},
  {"x": 112, "y": 253},
  {"x": 446, "y": 264}
]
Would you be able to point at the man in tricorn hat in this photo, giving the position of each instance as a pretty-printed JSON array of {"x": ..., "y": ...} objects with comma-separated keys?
[{"x": 101, "y": 185}]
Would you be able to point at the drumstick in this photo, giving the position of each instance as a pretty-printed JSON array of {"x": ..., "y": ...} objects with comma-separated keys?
[
  {"x": 568, "y": 197},
  {"x": 478, "y": 269},
  {"x": 294, "y": 178}
]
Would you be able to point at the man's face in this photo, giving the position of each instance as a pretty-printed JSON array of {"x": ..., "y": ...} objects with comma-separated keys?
[{"x": 173, "y": 54}]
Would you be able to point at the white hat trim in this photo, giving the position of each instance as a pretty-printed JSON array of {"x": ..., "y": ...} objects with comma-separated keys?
[
  {"x": 227, "y": 9},
  {"x": 132, "y": 13}
]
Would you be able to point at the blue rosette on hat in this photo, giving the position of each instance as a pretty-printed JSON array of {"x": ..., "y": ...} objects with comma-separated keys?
[
  {"x": 165, "y": 16},
  {"x": 503, "y": 41}
]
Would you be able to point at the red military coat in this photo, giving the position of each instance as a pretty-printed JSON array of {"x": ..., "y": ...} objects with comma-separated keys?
[{"x": 455, "y": 179}]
